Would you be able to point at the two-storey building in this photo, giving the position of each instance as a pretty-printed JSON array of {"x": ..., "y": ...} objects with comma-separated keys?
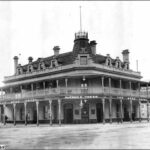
[{"x": 79, "y": 86}]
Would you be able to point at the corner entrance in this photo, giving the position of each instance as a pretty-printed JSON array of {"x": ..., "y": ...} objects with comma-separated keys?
[
  {"x": 85, "y": 113},
  {"x": 68, "y": 113},
  {"x": 99, "y": 112}
]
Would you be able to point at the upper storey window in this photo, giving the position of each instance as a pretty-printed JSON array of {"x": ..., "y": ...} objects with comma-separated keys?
[
  {"x": 108, "y": 60},
  {"x": 118, "y": 63},
  {"x": 19, "y": 71},
  {"x": 83, "y": 60},
  {"x": 54, "y": 63},
  {"x": 126, "y": 66},
  {"x": 30, "y": 68},
  {"x": 41, "y": 66}
]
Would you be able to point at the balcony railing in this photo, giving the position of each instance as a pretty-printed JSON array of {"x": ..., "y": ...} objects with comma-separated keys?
[{"x": 75, "y": 91}]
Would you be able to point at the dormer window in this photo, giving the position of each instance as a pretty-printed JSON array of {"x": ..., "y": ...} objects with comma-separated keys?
[
  {"x": 30, "y": 68},
  {"x": 118, "y": 63},
  {"x": 54, "y": 63},
  {"x": 19, "y": 71},
  {"x": 83, "y": 60},
  {"x": 108, "y": 60},
  {"x": 126, "y": 66},
  {"x": 41, "y": 66}
]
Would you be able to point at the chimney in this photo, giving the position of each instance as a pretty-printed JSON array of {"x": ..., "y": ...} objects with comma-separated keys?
[
  {"x": 93, "y": 47},
  {"x": 30, "y": 59},
  {"x": 125, "y": 54},
  {"x": 56, "y": 50},
  {"x": 117, "y": 58},
  {"x": 15, "y": 63},
  {"x": 108, "y": 55}
]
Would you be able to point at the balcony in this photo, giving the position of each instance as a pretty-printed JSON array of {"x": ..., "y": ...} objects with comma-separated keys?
[{"x": 75, "y": 91}]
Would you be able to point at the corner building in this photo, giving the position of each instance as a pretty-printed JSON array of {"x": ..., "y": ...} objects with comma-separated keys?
[{"x": 74, "y": 87}]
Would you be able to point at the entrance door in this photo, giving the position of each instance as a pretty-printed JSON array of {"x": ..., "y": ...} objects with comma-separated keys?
[
  {"x": 1, "y": 114},
  {"x": 133, "y": 113},
  {"x": 34, "y": 116},
  {"x": 21, "y": 113},
  {"x": 85, "y": 113},
  {"x": 68, "y": 113},
  {"x": 126, "y": 114},
  {"x": 55, "y": 120},
  {"x": 99, "y": 112}
]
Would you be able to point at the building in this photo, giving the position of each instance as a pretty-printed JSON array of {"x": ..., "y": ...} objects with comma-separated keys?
[{"x": 79, "y": 86}]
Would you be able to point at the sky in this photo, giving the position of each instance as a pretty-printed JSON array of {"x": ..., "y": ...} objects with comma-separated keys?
[{"x": 33, "y": 28}]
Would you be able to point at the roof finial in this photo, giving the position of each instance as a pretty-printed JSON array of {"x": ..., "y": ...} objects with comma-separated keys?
[{"x": 80, "y": 20}]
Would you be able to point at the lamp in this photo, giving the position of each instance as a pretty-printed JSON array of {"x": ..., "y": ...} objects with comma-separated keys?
[{"x": 83, "y": 78}]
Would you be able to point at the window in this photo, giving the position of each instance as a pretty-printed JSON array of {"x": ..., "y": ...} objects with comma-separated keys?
[
  {"x": 53, "y": 63},
  {"x": 92, "y": 111},
  {"x": 118, "y": 64},
  {"x": 45, "y": 111},
  {"x": 83, "y": 60},
  {"x": 108, "y": 62},
  {"x": 41, "y": 67},
  {"x": 126, "y": 66},
  {"x": 30, "y": 69},
  {"x": 76, "y": 112},
  {"x": 19, "y": 71},
  {"x": 84, "y": 85}
]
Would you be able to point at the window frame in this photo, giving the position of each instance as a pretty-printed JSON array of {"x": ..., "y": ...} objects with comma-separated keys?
[{"x": 83, "y": 60}]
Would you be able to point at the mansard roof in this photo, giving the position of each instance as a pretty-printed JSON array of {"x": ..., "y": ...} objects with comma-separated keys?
[
  {"x": 63, "y": 59},
  {"x": 82, "y": 45},
  {"x": 99, "y": 59},
  {"x": 66, "y": 59}
]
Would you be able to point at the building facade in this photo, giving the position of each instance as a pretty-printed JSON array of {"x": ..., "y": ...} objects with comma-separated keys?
[{"x": 74, "y": 87}]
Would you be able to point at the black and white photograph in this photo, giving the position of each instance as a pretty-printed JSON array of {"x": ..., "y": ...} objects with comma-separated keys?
[{"x": 74, "y": 75}]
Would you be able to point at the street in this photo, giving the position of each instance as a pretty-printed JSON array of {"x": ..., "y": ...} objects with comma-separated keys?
[{"x": 80, "y": 136}]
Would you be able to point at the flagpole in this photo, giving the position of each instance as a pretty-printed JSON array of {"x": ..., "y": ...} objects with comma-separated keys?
[{"x": 80, "y": 20}]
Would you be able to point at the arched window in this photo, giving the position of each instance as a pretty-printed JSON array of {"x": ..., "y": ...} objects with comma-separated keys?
[
  {"x": 118, "y": 64},
  {"x": 19, "y": 70},
  {"x": 108, "y": 62},
  {"x": 41, "y": 66},
  {"x": 30, "y": 69},
  {"x": 54, "y": 63},
  {"x": 126, "y": 66}
]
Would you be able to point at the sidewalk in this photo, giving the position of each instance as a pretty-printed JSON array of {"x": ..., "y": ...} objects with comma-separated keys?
[{"x": 11, "y": 125}]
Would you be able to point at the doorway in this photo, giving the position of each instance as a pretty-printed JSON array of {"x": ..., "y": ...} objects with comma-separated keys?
[
  {"x": 126, "y": 114},
  {"x": 134, "y": 113},
  {"x": 21, "y": 113},
  {"x": 68, "y": 113},
  {"x": 55, "y": 107},
  {"x": 99, "y": 112},
  {"x": 85, "y": 113},
  {"x": 34, "y": 116}
]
